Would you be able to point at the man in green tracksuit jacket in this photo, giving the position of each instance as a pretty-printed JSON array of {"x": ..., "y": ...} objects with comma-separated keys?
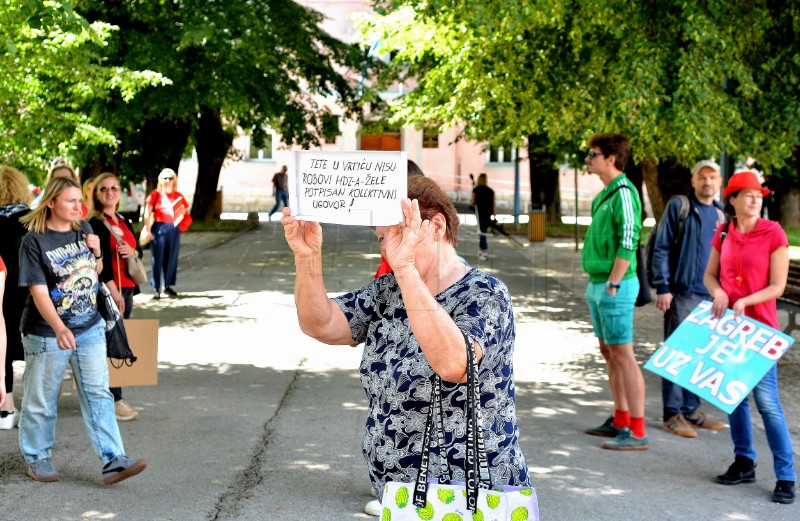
[{"x": 609, "y": 258}]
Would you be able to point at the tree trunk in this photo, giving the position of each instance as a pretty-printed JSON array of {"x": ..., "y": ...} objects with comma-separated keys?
[
  {"x": 543, "y": 178},
  {"x": 212, "y": 145},
  {"x": 650, "y": 180},
  {"x": 790, "y": 208}
]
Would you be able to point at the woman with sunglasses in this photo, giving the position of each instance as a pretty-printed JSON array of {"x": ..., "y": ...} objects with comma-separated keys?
[
  {"x": 59, "y": 262},
  {"x": 116, "y": 239},
  {"x": 747, "y": 272},
  {"x": 164, "y": 210}
]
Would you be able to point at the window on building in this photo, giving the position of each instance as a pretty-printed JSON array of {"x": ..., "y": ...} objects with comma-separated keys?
[
  {"x": 261, "y": 149},
  {"x": 501, "y": 154},
  {"x": 384, "y": 141},
  {"x": 430, "y": 139}
]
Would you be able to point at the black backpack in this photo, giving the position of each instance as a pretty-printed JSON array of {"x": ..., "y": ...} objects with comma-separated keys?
[{"x": 650, "y": 246}]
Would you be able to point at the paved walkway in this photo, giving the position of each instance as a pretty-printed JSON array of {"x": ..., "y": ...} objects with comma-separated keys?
[{"x": 253, "y": 420}]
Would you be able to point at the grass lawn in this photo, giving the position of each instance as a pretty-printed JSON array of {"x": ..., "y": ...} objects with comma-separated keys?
[{"x": 217, "y": 225}]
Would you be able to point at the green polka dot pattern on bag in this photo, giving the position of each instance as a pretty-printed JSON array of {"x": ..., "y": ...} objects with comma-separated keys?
[{"x": 426, "y": 514}]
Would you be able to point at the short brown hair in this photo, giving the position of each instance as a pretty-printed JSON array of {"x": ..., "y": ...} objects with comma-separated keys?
[
  {"x": 615, "y": 145},
  {"x": 432, "y": 201},
  {"x": 13, "y": 187}
]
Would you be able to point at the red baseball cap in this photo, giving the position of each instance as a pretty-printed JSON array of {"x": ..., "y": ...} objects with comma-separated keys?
[{"x": 742, "y": 180}]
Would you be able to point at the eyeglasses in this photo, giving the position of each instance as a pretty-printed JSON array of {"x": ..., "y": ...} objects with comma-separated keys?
[
  {"x": 591, "y": 154},
  {"x": 167, "y": 178},
  {"x": 104, "y": 189}
]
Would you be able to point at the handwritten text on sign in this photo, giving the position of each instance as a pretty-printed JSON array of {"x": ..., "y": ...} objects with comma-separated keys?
[
  {"x": 719, "y": 359},
  {"x": 362, "y": 187}
]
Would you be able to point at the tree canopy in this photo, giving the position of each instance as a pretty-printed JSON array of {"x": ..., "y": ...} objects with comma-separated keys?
[
  {"x": 256, "y": 65},
  {"x": 683, "y": 80},
  {"x": 52, "y": 62}
]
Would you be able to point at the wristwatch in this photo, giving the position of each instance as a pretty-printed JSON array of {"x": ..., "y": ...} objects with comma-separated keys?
[{"x": 610, "y": 284}]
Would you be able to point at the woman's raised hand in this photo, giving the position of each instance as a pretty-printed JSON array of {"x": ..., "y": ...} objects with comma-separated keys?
[
  {"x": 304, "y": 237},
  {"x": 400, "y": 241}
]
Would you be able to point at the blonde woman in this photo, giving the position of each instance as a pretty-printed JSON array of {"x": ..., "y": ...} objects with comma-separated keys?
[
  {"x": 60, "y": 260},
  {"x": 105, "y": 220},
  {"x": 60, "y": 167},
  {"x": 164, "y": 209},
  {"x": 15, "y": 200}
]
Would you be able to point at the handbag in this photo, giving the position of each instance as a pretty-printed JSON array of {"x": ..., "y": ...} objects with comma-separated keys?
[
  {"x": 185, "y": 222},
  {"x": 449, "y": 500},
  {"x": 117, "y": 346},
  {"x": 144, "y": 237},
  {"x": 133, "y": 264},
  {"x": 644, "y": 297}
]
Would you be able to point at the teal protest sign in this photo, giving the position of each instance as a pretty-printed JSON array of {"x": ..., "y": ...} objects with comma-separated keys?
[{"x": 719, "y": 359}]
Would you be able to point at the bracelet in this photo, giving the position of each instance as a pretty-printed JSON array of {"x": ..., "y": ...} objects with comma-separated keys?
[{"x": 98, "y": 258}]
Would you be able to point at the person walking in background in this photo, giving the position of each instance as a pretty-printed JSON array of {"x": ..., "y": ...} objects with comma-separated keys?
[
  {"x": 15, "y": 199},
  {"x": 609, "y": 258},
  {"x": 484, "y": 203},
  {"x": 280, "y": 189},
  {"x": 116, "y": 239},
  {"x": 60, "y": 167},
  {"x": 164, "y": 209},
  {"x": 680, "y": 255},
  {"x": 747, "y": 271},
  {"x": 59, "y": 263}
]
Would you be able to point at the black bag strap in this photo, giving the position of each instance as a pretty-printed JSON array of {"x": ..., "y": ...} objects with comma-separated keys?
[{"x": 476, "y": 462}]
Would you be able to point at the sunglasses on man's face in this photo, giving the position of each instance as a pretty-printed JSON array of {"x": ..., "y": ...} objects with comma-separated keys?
[{"x": 591, "y": 154}]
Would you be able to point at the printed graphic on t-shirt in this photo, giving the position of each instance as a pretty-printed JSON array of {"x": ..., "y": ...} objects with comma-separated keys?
[{"x": 75, "y": 293}]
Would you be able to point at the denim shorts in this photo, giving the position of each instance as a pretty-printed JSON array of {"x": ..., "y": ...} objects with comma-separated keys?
[{"x": 612, "y": 317}]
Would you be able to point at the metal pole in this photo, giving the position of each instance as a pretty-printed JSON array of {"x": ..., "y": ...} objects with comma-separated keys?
[
  {"x": 576, "y": 208},
  {"x": 516, "y": 190}
]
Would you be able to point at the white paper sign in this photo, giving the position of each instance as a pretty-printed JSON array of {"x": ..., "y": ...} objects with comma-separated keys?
[{"x": 361, "y": 187}]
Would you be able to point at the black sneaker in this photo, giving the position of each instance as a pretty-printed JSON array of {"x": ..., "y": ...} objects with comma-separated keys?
[
  {"x": 171, "y": 292},
  {"x": 784, "y": 492},
  {"x": 122, "y": 467},
  {"x": 607, "y": 430},
  {"x": 743, "y": 470}
]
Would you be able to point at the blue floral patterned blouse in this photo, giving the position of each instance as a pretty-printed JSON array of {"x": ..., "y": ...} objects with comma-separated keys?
[{"x": 398, "y": 380}]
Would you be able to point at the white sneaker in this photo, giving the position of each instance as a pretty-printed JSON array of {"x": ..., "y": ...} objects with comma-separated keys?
[
  {"x": 10, "y": 420},
  {"x": 373, "y": 508}
]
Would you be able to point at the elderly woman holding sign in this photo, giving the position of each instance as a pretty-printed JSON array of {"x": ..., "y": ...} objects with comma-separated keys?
[
  {"x": 747, "y": 271},
  {"x": 413, "y": 323}
]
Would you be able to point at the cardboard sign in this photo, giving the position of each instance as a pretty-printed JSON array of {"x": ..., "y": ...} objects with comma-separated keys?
[
  {"x": 719, "y": 359},
  {"x": 363, "y": 187},
  {"x": 143, "y": 339}
]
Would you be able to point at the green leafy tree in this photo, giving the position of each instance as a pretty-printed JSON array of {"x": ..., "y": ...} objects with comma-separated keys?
[
  {"x": 558, "y": 71},
  {"x": 52, "y": 63},
  {"x": 251, "y": 65}
]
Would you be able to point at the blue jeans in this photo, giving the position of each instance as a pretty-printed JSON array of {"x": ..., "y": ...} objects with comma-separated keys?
[
  {"x": 164, "y": 254},
  {"x": 769, "y": 405},
  {"x": 675, "y": 398},
  {"x": 45, "y": 364},
  {"x": 281, "y": 196}
]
